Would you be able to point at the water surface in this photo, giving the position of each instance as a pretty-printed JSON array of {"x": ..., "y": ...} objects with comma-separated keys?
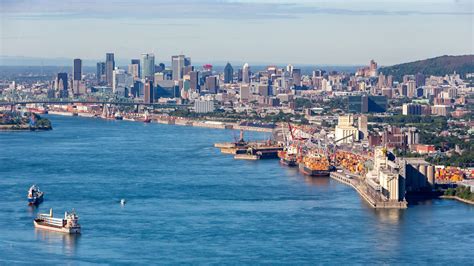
[{"x": 187, "y": 203}]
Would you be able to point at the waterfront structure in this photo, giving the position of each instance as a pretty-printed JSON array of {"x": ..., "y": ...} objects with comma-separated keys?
[
  {"x": 177, "y": 66},
  {"x": 109, "y": 68},
  {"x": 246, "y": 74},
  {"x": 345, "y": 130},
  {"x": 77, "y": 69},
  {"x": 228, "y": 73},
  {"x": 147, "y": 66}
]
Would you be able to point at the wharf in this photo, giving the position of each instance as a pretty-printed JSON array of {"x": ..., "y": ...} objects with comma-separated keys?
[{"x": 374, "y": 200}]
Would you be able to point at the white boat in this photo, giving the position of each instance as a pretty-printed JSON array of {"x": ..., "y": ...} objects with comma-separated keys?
[{"x": 67, "y": 225}]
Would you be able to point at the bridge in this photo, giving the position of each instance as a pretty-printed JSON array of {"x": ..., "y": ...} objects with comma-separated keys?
[{"x": 157, "y": 105}]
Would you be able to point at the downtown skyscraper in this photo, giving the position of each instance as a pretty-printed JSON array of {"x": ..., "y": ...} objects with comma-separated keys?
[
  {"x": 147, "y": 65},
  {"x": 77, "y": 69},
  {"x": 109, "y": 68},
  {"x": 228, "y": 73}
]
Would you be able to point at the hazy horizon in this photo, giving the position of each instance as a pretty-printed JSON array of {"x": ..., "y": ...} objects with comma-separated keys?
[{"x": 259, "y": 32}]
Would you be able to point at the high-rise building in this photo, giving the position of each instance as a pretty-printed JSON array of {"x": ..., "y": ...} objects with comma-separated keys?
[
  {"x": 136, "y": 62},
  {"x": 149, "y": 96},
  {"x": 77, "y": 69},
  {"x": 177, "y": 65},
  {"x": 100, "y": 72},
  {"x": 194, "y": 80},
  {"x": 411, "y": 89},
  {"x": 296, "y": 77},
  {"x": 134, "y": 70},
  {"x": 211, "y": 84},
  {"x": 147, "y": 66},
  {"x": 367, "y": 104},
  {"x": 419, "y": 80},
  {"x": 109, "y": 68},
  {"x": 62, "y": 85},
  {"x": 122, "y": 83},
  {"x": 246, "y": 74},
  {"x": 228, "y": 73}
]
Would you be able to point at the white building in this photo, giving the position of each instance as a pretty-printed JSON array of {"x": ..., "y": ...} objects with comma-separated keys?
[
  {"x": 121, "y": 81},
  {"x": 203, "y": 106},
  {"x": 345, "y": 129}
]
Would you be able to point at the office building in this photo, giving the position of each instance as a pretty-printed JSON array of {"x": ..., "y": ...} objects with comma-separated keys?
[
  {"x": 147, "y": 65},
  {"x": 204, "y": 106},
  {"x": 363, "y": 128},
  {"x": 109, "y": 68},
  {"x": 246, "y": 74},
  {"x": 177, "y": 66},
  {"x": 62, "y": 85},
  {"x": 244, "y": 92},
  {"x": 367, "y": 104},
  {"x": 149, "y": 96},
  {"x": 136, "y": 62},
  {"x": 411, "y": 109},
  {"x": 122, "y": 82},
  {"x": 77, "y": 69},
  {"x": 194, "y": 80},
  {"x": 211, "y": 84},
  {"x": 228, "y": 73},
  {"x": 100, "y": 72}
]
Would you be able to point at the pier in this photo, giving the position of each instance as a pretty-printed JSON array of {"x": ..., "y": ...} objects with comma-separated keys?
[{"x": 372, "y": 197}]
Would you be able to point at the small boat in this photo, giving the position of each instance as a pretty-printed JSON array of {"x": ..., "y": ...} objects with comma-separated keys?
[
  {"x": 35, "y": 196},
  {"x": 122, "y": 202},
  {"x": 68, "y": 224}
]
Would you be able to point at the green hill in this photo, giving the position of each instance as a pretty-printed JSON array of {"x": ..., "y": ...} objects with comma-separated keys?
[{"x": 438, "y": 66}]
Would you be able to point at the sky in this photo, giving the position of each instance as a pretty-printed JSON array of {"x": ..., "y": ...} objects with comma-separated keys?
[{"x": 316, "y": 32}]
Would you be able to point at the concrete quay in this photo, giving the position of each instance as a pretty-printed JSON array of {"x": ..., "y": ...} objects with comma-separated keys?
[{"x": 372, "y": 198}]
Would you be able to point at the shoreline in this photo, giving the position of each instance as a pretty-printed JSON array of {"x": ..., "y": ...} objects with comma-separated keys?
[
  {"x": 173, "y": 120},
  {"x": 457, "y": 198}
]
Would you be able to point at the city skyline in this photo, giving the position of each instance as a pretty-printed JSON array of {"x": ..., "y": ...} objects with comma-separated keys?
[{"x": 266, "y": 32}]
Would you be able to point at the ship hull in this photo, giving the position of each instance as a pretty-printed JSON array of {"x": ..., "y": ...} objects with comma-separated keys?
[
  {"x": 307, "y": 171},
  {"x": 289, "y": 163},
  {"x": 70, "y": 230},
  {"x": 35, "y": 200}
]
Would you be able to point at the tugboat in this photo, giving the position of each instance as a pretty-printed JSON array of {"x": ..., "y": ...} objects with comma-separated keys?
[
  {"x": 67, "y": 225},
  {"x": 35, "y": 196}
]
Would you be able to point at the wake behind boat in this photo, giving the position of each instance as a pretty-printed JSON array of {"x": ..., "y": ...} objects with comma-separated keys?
[{"x": 35, "y": 196}]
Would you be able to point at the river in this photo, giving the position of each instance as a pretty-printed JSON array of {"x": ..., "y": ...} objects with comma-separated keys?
[{"x": 187, "y": 203}]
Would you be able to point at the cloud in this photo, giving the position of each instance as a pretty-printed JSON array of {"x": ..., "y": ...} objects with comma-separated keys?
[{"x": 218, "y": 9}]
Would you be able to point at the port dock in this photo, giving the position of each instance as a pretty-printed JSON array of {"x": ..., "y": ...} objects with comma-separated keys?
[{"x": 372, "y": 197}]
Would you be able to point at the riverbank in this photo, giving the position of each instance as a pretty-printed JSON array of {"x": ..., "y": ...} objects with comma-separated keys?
[
  {"x": 172, "y": 120},
  {"x": 457, "y": 198},
  {"x": 363, "y": 192}
]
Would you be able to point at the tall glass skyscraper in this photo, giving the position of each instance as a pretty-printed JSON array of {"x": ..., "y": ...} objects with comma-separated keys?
[
  {"x": 109, "y": 68},
  {"x": 77, "y": 69},
  {"x": 228, "y": 73},
  {"x": 147, "y": 65}
]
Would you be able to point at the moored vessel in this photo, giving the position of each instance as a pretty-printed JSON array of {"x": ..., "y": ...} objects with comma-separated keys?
[
  {"x": 315, "y": 164},
  {"x": 35, "y": 196},
  {"x": 68, "y": 224}
]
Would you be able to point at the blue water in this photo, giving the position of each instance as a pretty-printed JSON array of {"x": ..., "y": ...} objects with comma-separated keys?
[{"x": 187, "y": 203}]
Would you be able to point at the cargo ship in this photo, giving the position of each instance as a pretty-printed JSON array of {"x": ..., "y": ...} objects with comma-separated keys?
[
  {"x": 68, "y": 224},
  {"x": 315, "y": 164},
  {"x": 35, "y": 196},
  {"x": 289, "y": 156}
]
